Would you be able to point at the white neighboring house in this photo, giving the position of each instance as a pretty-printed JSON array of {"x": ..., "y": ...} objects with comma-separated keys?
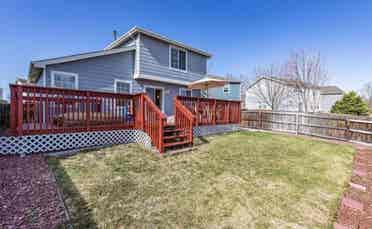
[{"x": 321, "y": 99}]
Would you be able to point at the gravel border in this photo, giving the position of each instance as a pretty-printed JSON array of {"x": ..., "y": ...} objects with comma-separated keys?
[{"x": 29, "y": 194}]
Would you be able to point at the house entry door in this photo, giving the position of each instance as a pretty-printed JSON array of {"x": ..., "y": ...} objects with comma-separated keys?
[{"x": 156, "y": 95}]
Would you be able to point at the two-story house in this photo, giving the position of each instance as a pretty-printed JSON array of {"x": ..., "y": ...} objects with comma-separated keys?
[{"x": 138, "y": 61}]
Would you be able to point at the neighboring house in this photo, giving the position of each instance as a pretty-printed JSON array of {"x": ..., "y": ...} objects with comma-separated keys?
[
  {"x": 321, "y": 98},
  {"x": 231, "y": 90},
  {"x": 138, "y": 61}
]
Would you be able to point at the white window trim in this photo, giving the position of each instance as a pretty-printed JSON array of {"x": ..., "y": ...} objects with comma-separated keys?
[
  {"x": 163, "y": 91},
  {"x": 122, "y": 81},
  {"x": 170, "y": 58},
  {"x": 65, "y": 73}
]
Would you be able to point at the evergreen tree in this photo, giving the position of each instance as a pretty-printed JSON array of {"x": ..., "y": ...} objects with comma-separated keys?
[{"x": 352, "y": 104}]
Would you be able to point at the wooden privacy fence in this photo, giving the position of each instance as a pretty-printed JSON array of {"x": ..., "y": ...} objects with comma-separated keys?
[
  {"x": 347, "y": 128},
  {"x": 208, "y": 111},
  {"x": 4, "y": 116},
  {"x": 42, "y": 110}
]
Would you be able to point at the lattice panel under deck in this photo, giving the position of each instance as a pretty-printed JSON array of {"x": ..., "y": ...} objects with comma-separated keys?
[{"x": 60, "y": 142}]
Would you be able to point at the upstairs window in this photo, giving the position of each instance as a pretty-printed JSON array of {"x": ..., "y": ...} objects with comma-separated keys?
[{"x": 178, "y": 58}]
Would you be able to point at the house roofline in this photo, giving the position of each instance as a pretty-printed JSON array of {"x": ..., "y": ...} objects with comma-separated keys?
[
  {"x": 36, "y": 67},
  {"x": 137, "y": 29},
  {"x": 80, "y": 56}
]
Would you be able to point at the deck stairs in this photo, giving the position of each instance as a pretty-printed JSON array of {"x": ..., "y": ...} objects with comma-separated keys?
[{"x": 174, "y": 139}]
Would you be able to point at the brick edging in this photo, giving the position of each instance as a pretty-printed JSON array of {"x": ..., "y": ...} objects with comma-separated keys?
[{"x": 355, "y": 210}]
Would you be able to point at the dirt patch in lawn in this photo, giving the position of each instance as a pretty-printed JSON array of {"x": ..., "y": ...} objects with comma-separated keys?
[
  {"x": 28, "y": 194},
  {"x": 237, "y": 180}
]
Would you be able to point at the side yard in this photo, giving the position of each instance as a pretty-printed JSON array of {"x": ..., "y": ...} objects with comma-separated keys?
[{"x": 237, "y": 180}]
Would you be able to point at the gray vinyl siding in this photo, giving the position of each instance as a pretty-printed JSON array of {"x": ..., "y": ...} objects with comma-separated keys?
[
  {"x": 154, "y": 61},
  {"x": 98, "y": 73}
]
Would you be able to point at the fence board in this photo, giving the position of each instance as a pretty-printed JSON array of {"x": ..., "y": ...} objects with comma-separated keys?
[{"x": 340, "y": 127}]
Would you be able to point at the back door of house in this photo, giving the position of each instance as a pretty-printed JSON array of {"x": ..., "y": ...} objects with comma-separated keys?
[{"x": 156, "y": 94}]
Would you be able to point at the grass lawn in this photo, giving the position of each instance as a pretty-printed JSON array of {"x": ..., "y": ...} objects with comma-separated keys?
[{"x": 238, "y": 180}]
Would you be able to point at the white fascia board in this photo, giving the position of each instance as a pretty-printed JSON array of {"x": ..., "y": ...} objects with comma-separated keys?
[
  {"x": 43, "y": 63},
  {"x": 161, "y": 79}
]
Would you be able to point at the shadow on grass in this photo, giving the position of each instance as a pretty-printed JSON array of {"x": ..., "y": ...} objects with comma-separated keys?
[
  {"x": 200, "y": 141},
  {"x": 81, "y": 215}
]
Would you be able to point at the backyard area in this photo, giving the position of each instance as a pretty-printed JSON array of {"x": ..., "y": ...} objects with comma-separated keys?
[{"x": 237, "y": 180}]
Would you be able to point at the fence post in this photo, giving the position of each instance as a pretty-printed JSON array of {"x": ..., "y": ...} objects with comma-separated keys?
[
  {"x": 348, "y": 132},
  {"x": 260, "y": 119},
  {"x": 19, "y": 111},
  {"x": 297, "y": 123}
]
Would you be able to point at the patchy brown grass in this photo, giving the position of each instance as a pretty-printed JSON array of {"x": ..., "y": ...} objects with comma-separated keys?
[{"x": 238, "y": 180}]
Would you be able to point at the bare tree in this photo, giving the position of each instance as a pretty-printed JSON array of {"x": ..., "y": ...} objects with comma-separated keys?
[
  {"x": 367, "y": 93},
  {"x": 270, "y": 90},
  {"x": 308, "y": 73}
]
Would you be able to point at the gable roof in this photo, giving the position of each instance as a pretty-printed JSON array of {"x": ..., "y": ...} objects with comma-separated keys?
[
  {"x": 324, "y": 90},
  {"x": 37, "y": 66},
  {"x": 231, "y": 80},
  {"x": 135, "y": 30},
  {"x": 80, "y": 56},
  {"x": 331, "y": 90}
]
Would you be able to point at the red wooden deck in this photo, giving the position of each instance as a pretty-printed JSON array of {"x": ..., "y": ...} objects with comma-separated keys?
[{"x": 43, "y": 110}]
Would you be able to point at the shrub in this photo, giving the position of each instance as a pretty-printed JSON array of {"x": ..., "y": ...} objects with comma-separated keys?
[{"x": 352, "y": 104}]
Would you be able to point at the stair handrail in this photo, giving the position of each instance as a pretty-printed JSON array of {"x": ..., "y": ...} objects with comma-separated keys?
[
  {"x": 157, "y": 135},
  {"x": 179, "y": 106}
]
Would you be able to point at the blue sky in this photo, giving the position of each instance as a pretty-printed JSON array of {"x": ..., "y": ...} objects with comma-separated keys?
[{"x": 240, "y": 34}]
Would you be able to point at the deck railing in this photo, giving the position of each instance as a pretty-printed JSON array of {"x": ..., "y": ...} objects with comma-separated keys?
[
  {"x": 151, "y": 120},
  {"x": 184, "y": 119},
  {"x": 209, "y": 111},
  {"x": 42, "y": 110}
]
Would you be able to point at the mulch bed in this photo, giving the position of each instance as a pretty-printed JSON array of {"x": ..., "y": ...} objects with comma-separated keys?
[
  {"x": 355, "y": 210},
  {"x": 28, "y": 194}
]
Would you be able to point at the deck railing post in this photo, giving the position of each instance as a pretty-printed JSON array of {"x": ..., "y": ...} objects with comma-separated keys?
[
  {"x": 161, "y": 134},
  {"x": 214, "y": 113},
  {"x": 228, "y": 113},
  {"x": 197, "y": 112},
  {"x": 142, "y": 111},
  {"x": 13, "y": 109},
  {"x": 87, "y": 102},
  {"x": 19, "y": 110}
]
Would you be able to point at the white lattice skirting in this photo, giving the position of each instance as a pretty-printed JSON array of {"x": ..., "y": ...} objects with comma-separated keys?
[
  {"x": 61, "y": 142},
  {"x": 215, "y": 129}
]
